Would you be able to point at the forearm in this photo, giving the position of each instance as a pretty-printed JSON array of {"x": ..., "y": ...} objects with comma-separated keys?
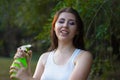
[{"x": 30, "y": 78}]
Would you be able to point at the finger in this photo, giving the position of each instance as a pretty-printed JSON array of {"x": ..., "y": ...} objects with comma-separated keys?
[
  {"x": 28, "y": 56},
  {"x": 23, "y": 53},
  {"x": 14, "y": 77},
  {"x": 19, "y": 54},
  {"x": 18, "y": 64},
  {"x": 14, "y": 67},
  {"x": 18, "y": 49},
  {"x": 13, "y": 71},
  {"x": 30, "y": 53}
]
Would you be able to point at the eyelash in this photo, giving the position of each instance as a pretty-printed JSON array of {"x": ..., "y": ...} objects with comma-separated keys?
[
  {"x": 61, "y": 21},
  {"x": 71, "y": 23}
]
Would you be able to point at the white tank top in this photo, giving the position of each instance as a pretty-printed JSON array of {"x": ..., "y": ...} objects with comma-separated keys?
[{"x": 53, "y": 71}]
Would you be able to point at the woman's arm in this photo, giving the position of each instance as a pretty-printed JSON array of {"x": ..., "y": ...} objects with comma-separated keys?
[
  {"x": 25, "y": 73},
  {"x": 40, "y": 66},
  {"x": 21, "y": 72},
  {"x": 82, "y": 68}
]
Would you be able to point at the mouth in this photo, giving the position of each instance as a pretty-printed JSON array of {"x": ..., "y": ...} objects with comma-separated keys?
[{"x": 64, "y": 32}]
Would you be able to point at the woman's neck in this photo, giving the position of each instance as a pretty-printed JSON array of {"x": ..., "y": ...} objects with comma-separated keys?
[{"x": 65, "y": 46}]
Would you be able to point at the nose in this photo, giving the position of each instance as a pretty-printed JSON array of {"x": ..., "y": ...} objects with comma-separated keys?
[{"x": 65, "y": 24}]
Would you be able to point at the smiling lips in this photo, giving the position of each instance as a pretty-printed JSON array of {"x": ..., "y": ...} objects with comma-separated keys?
[{"x": 64, "y": 32}]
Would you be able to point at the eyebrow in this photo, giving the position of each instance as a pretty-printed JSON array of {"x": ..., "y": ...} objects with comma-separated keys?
[
  {"x": 61, "y": 19},
  {"x": 69, "y": 19}
]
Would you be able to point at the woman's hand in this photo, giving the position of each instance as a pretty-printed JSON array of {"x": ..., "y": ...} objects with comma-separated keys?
[{"x": 21, "y": 72}]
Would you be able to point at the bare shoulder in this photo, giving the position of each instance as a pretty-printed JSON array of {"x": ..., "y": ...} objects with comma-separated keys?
[
  {"x": 83, "y": 63},
  {"x": 43, "y": 57},
  {"x": 85, "y": 55},
  {"x": 40, "y": 65}
]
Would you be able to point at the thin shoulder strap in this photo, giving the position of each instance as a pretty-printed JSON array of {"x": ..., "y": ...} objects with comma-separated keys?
[
  {"x": 75, "y": 54},
  {"x": 49, "y": 57}
]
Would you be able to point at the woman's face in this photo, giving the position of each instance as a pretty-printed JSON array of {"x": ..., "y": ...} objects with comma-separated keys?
[{"x": 66, "y": 26}]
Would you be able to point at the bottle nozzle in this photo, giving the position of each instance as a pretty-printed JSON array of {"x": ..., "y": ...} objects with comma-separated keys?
[{"x": 26, "y": 47}]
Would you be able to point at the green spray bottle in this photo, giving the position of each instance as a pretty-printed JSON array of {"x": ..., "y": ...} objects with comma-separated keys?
[{"x": 23, "y": 60}]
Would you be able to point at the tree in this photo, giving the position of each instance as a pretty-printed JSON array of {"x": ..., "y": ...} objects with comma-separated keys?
[
  {"x": 100, "y": 18},
  {"x": 21, "y": 21}
]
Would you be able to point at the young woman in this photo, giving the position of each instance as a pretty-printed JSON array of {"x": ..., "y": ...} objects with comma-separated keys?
[{"x": 66, "y": 58}]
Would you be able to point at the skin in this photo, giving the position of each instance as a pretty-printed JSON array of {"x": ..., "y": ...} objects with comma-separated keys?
[{"x": 65, "y": 29}]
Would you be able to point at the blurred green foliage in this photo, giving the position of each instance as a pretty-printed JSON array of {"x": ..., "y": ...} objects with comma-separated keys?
[
  {"x": 100, "y": 27},
  {"x": 29, "y": 21}
]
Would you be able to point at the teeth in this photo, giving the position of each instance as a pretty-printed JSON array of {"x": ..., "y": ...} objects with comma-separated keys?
[{"x": 64, "y": 32}]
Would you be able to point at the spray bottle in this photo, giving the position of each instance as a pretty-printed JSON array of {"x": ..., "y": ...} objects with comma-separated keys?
[{"x": 22, "y": 60}]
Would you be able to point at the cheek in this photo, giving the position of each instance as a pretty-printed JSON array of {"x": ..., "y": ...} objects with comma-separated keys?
[
  {"x": 74, "y": 29},
  {"x": 57, "y": 27}
]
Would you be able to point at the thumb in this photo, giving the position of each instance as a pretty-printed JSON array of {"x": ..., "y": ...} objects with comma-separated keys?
[{"x": 28, "y": 58}]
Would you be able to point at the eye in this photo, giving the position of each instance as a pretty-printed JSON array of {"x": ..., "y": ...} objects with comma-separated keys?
[
  {"x": 61, "y": 21},
  {"x": 71, "y": 22}
]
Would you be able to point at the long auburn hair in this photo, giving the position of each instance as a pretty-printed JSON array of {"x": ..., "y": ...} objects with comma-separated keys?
[{"x": 78, "y": 40}]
